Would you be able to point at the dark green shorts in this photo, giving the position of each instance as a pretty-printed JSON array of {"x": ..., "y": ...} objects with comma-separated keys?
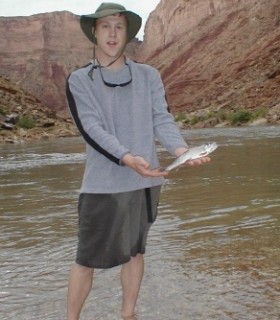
[{"x": 114, "y": 227}]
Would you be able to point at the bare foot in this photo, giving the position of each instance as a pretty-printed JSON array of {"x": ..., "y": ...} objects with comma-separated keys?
[{"x": 133, "y": 317}]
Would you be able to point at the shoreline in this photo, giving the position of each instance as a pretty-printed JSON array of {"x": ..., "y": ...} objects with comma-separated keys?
[{"x": 68, "y": 130}]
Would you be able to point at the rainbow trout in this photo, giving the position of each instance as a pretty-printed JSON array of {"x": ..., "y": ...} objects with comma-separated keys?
[{"x": 192, "y": 154}]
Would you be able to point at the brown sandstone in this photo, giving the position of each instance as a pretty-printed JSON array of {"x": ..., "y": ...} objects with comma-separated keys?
[
  {"x": 213, "y": 54},
  {"x": 39, "y": 52},
  {"x": 216, "y": 54}
]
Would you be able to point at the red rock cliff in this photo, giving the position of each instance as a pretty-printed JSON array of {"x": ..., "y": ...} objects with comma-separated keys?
[
  {"x": 38, "y": 53},
  {"x": 212, "y": 54},
  {"x": 216, "y": 53}
]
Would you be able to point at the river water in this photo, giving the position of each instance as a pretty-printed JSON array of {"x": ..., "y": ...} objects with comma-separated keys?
[{"x": 213, "y": 253}]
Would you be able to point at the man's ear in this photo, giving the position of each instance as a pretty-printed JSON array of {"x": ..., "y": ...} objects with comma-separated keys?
[{"x": 93, "y": 31}]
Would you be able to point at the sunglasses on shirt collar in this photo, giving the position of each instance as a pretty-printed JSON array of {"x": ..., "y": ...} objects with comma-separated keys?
[{"x": 109, "y": 84}]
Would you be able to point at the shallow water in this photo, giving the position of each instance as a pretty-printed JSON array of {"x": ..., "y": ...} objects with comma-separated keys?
[{"x": 213, "y": 253}]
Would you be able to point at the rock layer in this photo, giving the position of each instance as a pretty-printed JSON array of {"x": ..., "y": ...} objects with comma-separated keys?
[
  {"x": 216, "y": 54},
  {"x": 39, "y": 52},
  {"x": 213, "y": 54}
]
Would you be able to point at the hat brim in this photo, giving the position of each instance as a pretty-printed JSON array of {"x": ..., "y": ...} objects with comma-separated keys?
[{"x": 88, "y": 21}]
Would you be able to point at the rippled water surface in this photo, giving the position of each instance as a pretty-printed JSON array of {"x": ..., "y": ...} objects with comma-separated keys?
[{"x": 213, "y": 253}]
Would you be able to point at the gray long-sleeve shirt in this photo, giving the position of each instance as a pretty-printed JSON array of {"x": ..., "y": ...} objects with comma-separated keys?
[{"x": 118, "y": 120}]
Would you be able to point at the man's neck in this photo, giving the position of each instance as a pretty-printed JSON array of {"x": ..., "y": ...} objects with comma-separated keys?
[{"x": 114, "y": 63}]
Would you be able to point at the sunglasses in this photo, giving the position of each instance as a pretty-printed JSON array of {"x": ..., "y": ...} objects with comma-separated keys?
[{"x": 109, "y": 84}]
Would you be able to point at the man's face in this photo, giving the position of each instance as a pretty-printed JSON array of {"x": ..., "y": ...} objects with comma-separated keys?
[{"x": 111, "y": 35}]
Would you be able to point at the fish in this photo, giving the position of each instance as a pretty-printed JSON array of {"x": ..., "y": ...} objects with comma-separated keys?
[{"x": 192, "y": 154}]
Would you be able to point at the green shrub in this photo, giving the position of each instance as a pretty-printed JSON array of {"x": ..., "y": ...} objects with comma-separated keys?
[
  {"x": 194, "y": 120},
  {"x": 222, "y": 115},
  {"x": 181, "y": 116},
  {"x": 241, "y": 116},
  {"x": 26, "y": 122},
  {"x": 260, "y": 113}
]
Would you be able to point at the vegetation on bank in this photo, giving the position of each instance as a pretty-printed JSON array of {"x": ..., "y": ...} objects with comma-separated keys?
[
  {"x": 18, "y": 125},
  {"x": 23, "y": 122},
  {"x": 26, "y": 122},
  {"x": 18, "y": 121},
  {"x": 213, "y": 118}
]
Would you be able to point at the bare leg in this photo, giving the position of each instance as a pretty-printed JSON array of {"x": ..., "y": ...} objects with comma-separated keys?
[
  {"x": 80, "y": 283},
  {"x": 131, "y": 278}
]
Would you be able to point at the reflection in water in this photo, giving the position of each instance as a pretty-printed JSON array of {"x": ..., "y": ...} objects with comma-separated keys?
[{"x": 213, "y": 252}]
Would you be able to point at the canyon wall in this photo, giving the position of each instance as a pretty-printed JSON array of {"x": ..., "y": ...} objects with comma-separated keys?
[
  {"x": 172, "y": 19},
  {"x": 216, "y": 54},
  {"x": 39, "y": 52},
  {"x": 212, "y": 54}
]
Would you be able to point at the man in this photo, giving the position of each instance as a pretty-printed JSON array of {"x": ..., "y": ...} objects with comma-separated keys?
[{"x": 120, "y": 109}]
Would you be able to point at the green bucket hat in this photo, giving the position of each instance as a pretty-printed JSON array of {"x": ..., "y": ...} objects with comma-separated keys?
[{"x": 108, "y": 9}]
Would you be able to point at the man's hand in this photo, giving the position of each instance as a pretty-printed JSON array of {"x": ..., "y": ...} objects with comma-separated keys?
[
  {"x": 181, "y": 150},
  {"x": 198, "y": 161},
  {"x": 141, "y": 166}
]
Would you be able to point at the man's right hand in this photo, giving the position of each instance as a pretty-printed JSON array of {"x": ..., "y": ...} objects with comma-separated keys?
[{"x": 141, "y": 166}]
